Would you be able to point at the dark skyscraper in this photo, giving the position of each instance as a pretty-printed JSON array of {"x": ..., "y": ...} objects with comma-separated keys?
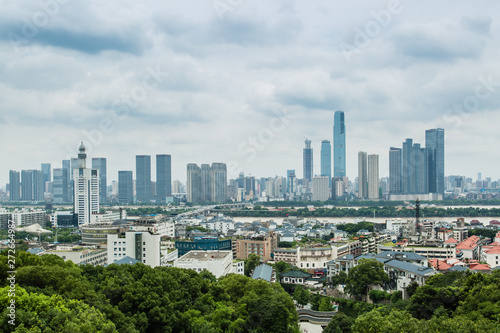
[
  {"x": 163, "y": 177},
  {"x": 14, "y": 186},
  {"x": 414, "y": 168},
  {"x": 326, "y": 160},
  {"x": 60, "y": 186},
  {"x": 339, "y": 169},
  {"x": 99, "y": 163},
  {"x": 434, "y": 142},
  {"x": 395, "y": 170},
  {"x": 143, "y": 181},
  {"x": 308, "y": 161},
  {"x": 47, "y": 177},
  {"x": 125, "y": 187}
]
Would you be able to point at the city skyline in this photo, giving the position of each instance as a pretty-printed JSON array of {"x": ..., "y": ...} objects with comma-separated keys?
[{"x": 166, "y": 76}]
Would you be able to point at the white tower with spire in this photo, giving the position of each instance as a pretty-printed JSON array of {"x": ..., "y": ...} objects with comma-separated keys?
[{"x": 86, "y": 198}]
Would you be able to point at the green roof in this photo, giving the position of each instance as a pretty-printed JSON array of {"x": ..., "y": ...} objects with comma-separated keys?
[{"x": 296, "y": 274}]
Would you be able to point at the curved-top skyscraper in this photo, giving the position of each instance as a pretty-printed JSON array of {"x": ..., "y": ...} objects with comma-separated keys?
[{"x": 339, "y": 145}]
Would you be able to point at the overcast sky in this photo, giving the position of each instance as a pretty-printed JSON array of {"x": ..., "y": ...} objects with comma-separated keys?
[{"x": 246, "y": 81}]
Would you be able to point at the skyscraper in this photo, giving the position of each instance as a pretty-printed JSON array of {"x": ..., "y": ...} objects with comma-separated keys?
[
  {"x": 434, "y": 142},
  {"x": 373, "y": 177},
  {"x": 362, "y": 175},
  {"x": 219, "y": 182},
  {"x": 326, "y": 160},
  {"x": 66, "y": 164},
  {"x": 308, "y": 161},
  {"x": 320, "y": 188},
  {"x": 125, "y": 187},
  {"x": 60, "y": 186},
  {"x": 47, "y": 176},
  {"x": 99, "y": 163},
  {"x": 414, "y": 168},
  {"x": 143, "y": 175},
  {"x": 14, "y": 186},
  {"x": 395, "y": 170},
  {"x": 32, "y": 185},
  {"x": 206, "y": 183},
  {"x": 339, "y": 168},
  {"x": 290, "y": 181},
  {"x": 86, "y": 184},
  {"x": 163, "y": 177},
  {"x": 193, "y": 183}
]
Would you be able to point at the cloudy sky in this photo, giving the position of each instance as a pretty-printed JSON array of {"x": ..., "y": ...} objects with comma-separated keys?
[{"x": 245, "y": 81}]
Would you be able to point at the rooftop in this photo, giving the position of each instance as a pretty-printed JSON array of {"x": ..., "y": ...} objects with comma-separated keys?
[
  {"x": 205, "y": 255},
  {"x": 406, "y": 266},
  {"x": 263, "y": 272}
]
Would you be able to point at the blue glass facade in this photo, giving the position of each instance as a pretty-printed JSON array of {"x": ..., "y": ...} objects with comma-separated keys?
[
  {"x": 203, "y": 244},
  {"x": 434, "y": 142},
  {"x": 339, "y": 169},
  {"x": 143, "y": 181},
  {"x": 326, "y": 160},
  {"x": 163, "y": 177}
]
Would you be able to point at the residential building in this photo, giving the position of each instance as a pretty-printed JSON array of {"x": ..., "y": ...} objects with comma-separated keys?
[
  {"x": 27, "y": 217},
  {"x": 32, "y": 185},
  {"x": 403, "y": 273},
  {"x": 469, "y": 248},
  {"x": 219, "y": 263},
  {"x": 339, "y": 147},
  {"x": 320, "y": 188},
  {"x": 362, "y": 175},
  {"x": 373, "y": 177},
  {"x": 315, "y": 258},
  {"x": 14, "y": 186},
  {"x": 295, "y": 277},
  {"x": 260, "y": 245},
  {"x": 219, "y": 182},
  {"x": 60, "y": 186},
  {"x": 142, "y": 246}
]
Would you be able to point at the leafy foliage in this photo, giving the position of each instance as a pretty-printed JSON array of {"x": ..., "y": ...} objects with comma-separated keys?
[{"x": 368, "y": 271}]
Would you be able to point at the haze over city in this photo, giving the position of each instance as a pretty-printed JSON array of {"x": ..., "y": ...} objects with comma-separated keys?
[{"x": 246, "y": 83}]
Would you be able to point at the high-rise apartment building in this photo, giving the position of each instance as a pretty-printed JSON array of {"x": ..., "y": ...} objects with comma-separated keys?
[
  {"x": 326, "y": 160},
  {"x": 125, "y": 187},
  {"x": 290, "y": 181},
  {"x": 362, "y": 175},
  {"x": 219, "y": 182},
  {"x": 434, "y": 142},
  {"x": 32, "y": 185},
  {"x": 163, "y": 177},
  {"x": 14, "y": 186},
  {"x": 339, "y": 168},
  {"x": 395, "y": 170},
  {"x": 47, "y": 175},
  {"x": 414, "y": 168},
  {"x": 99, "y": 163},
  {"x": 193, "y": 183},
  {"x": 308, "y": 161},
  {"x": 206, "y": 183},
  {"x": 373, "y": 177},
  {"x": 86, "y": 185},
  {"x": 320, "y": 188},
  {"x": 66, "y": 164},
  {"x": 143, "y": 178}
]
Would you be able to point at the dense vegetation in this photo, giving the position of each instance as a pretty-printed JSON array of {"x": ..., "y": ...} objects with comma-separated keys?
[
  {"x": 379, "y": 211},
  {"x": 451, "y": 302},
  {"x": 57, "y": 296}
]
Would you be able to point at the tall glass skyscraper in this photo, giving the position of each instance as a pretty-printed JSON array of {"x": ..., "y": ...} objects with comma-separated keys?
[
  {"x": 395, "y": 170},
  {"x": 125, "y": 187},
  {"x": 339, "y": 169},
  {"x": 163, "y": 177},
  {"x": 99, "y": 163},
  {"x": 326, "y": 160},
  {"x": 60, "y": 186},
  {"x": 308, "y": 161},
  {"x": 14, "y": 186},
  {"x": 434, "y": 142},
  {"x": 47, "y": 175},
  {"x": 143, "y": 181}
]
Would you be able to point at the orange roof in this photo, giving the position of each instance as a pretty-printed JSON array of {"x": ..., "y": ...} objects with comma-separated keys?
[
  {"x": 493, "y": 250},
  {"x": 468, "y": 243},
  {"x": 479, "y": 267},
  {"x": 440, "y": 265},
  {"x": 451, "y": 240}
]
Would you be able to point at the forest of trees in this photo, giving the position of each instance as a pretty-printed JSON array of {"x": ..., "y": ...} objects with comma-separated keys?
[
  {"x": 57, "y": 296},
  {"x": 379, "y": 211}
]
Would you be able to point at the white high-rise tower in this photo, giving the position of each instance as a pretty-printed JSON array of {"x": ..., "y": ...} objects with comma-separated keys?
[{"x": 86, "y": 195}]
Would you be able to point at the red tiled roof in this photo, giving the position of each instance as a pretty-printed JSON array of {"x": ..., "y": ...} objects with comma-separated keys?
[
  {"x": 493, "y": 250},
  {"x": 451, "y": 240},
  {"x": 468, "y": 243},
  {"x": 440, "y": 265},
  {"x": 479, "y": 267}
]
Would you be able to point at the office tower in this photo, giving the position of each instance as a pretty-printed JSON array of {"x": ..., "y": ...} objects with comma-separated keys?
[
  {"x": 407, "y": 167},
  {"x": 219, "y": 182},
  {"x": 177, "y": 186},
  {"x": 421, "y": 169},
  {"x": 479, "y": 176},
  {"x": 308, "y": 161},
  {"x": 66, "y": 164},
  {"x": 125, "y": 187},
  {"x": 414, "y": 168},
  {"x": 362, "y": 175},
  {"x": 193, "y": 183},
  {"x": 14, "y": 186},
  {"x": 320, "y": 188},
  {"x": 99, "y": 163},
  {"x": 74, "y": 166},
  {"x": 143, "y": 178},
  {"x": 46, "y": 174},
  {"x": 206, "y": 183},
  {"x": 86, "y": 185},
  {"x": 395, "y": 170},
  {"x": 339, "y": 169},
  {"x": 434, "y": 143},
  {"x": 60, "y": 186},
  {"x": 163, "y": 177},
  {"x": 32, "y": 185},
  {"x": 326, "y": 160},
  {"x": 373, "y": 177},
  {"x": 249, "y": 186}
]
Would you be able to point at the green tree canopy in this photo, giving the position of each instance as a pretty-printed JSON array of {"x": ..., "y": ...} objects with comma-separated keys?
[{"x": 366, "y": 272}]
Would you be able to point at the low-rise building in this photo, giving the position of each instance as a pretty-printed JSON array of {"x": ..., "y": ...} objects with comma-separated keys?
[
  {"x": 295, "y": 277},
  {"x": 219, "y": 263},
  {"x": 260, "y": 245},
  {"x": 80, "y": 255},
  {"x": 203, "y": 244},
  {"x": 142, "y": 246},
  {"x": 403, "y": 273}
]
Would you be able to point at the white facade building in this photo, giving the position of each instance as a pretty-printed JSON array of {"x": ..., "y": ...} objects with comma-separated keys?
[
  {"x": 219, "y": 263},
  {"x": 26, "y": 218},
  {"x": 142, "y": 246},
  {"x": 86, "y": 184},
  {"x": 320, "y": 188},
  {"x": 81, "y": 255}
]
